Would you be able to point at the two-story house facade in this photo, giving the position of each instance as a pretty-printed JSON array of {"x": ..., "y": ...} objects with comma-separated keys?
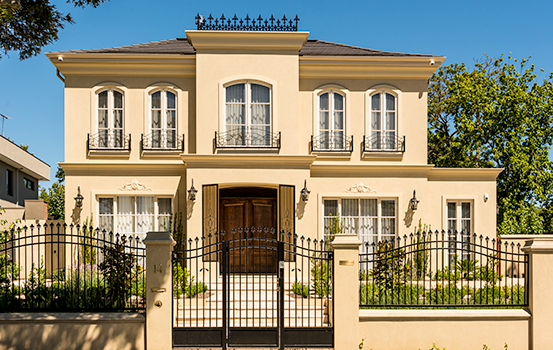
[{"x": 272, "y": 129}]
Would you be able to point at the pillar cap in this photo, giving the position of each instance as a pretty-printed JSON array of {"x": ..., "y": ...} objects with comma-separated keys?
[
  {"x": 542, "y": 244},
  {"x": 346, "y": 241},
  {"x": 159, "y": 238}
]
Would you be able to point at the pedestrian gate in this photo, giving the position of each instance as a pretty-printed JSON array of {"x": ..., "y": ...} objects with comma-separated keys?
[{"x": 252, "y": 287}]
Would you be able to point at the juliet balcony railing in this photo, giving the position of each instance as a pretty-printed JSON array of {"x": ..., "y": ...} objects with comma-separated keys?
[
  {"x": 383, "y": 142},
  {"x": 163, "y": 140},
  {"x": 331, "y": 142},
  {"x": 113, "y": 140},
  {"x": 243, "y": 138}
]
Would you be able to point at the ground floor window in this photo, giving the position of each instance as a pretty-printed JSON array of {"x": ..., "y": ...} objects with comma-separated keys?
[
  {"x": 373, "y": 219},
  {"x": 459, "y": 228},
  {"x": 134, "y": 214}
]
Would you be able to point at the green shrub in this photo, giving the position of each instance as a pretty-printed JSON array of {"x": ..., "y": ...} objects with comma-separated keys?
[
  {"x": 195, "y": 288},
  {"x": 117, "y": 270},
  {"x": 300, "y": 289},
  {"x": 321, "y": 274},
  {"x": 183, "y": 282},
  {"x": 389, "y": 269}
]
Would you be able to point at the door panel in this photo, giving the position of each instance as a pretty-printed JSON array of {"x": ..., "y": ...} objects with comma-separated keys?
[
  {"x": 264, "y": 253},
  {"x": 234, "y": 217},
  {"x": 251, "y": 255}
]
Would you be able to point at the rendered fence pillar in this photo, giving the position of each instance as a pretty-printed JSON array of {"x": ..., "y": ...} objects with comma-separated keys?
[
  {"x": 540, "y": 289},
  {"x": 346, "y": 291},
  {"x": 159, "y": 304}
]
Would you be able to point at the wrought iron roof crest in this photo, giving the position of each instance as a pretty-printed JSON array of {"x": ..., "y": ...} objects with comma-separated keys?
[{"x": 247, "y": 24}]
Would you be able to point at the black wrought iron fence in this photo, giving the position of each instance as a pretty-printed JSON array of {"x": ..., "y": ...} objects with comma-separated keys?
[
  {"x": 442, "y": 269},
  {"x": 70, "y": 268}
]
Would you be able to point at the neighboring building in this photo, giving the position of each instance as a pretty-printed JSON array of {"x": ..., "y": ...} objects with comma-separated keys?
[
  {"x": 248, "y": 118},
  {"x": 20, "y": 172}
]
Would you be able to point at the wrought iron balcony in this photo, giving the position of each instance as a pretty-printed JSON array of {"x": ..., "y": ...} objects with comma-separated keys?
[
  {"x": 163, "y": 140},
  {"x": 113, "y": 140},
  {"x": 247, "y": 139},
  {"x": 382, "y": 142},
  {"x": 331, "y": 142},
  {"x": 247, "y": 24}
]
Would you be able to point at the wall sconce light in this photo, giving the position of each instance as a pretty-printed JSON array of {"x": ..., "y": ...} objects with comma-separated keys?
[
  {"x": 414, "y": 202},
  {"x": 192, "y": 192},
  {"x": 305, "y": 192},
  {"x": 79, "y": 198}
]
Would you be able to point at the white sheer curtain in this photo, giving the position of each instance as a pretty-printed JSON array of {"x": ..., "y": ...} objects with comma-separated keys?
[
  {"x": 164, "y": 213},
  {"x": 376, "y": 125},
  {"x": 324, "y": 121},
  {"x": 235, "y": 122},
  {"x": 260, "y": 114},
  {"x": 125, "y": 214},
  {"x": 390, "y": 122},
  {"x": 388, "y": 219},
  {"x": 105, "y": 214},
  {"x": 350, "y": 215},
  {"x": 145, "y": 214},
  {"x": 368, "y": 228}
]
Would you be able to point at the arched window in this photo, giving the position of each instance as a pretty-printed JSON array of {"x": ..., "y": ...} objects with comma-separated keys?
[
  {"x": 110, "y": 119},
  {"x": 383, "y": 121},
  {"x": 248, "y": 115},
  {"x": 331, "y": 126},
  {"x": 163, "y": 123}
]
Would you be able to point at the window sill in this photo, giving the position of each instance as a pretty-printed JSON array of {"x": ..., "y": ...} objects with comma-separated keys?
[
  {"x": 247, "y": 150},
  {"x": 383, "y": 155},
  {"x": 328, "y": 155},
  {"x": 166, "y": 153},
  {"x": 109, "y": 153}
]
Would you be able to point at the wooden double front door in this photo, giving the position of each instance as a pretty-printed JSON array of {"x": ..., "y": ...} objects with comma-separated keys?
[{"x": 250, "y": 251}]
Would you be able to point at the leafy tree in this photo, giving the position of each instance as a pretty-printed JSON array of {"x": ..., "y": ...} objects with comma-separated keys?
[
  {"x": 55, "y": 196},
  {"x": 499, "y": 114},
  {"x": 27, "y": 26}
]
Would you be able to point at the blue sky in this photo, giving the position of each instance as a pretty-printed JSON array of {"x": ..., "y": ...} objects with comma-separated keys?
[{"x": 463, "y": 31}]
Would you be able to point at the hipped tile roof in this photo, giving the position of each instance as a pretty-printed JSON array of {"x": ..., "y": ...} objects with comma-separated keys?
[{"x": 181, "y": 46}]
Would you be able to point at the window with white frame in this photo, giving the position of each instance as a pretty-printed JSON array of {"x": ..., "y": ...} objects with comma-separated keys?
[
  {"x": 459, "y": 228},
  {"x": 248, "y": 114},
  {"x": 383, "y": 121},
  {"x": 134, "y": 214},
  {"x": 163, "y": 123},
  {"x": 331, "y": 126},
  {"x": 110, "y": 119},
  {"x": 372, "y": 219}
]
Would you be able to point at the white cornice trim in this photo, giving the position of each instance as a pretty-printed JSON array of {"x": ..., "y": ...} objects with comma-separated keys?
[
  {"x": 369, "y": 170},
  {"x": 247, "y": 161},
  {"x": 464, "y": 174}
]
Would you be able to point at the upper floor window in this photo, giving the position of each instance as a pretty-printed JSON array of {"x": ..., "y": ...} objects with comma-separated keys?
[
  {"x": 163, "y": 123},
  {"x": 248, "y": 120},
  {"x": 331, "y": 124},
  {"x": 110, "y": 119},
  {"x": 383, "y": 120}
]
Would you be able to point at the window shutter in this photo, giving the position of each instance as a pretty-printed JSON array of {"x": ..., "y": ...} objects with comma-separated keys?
[
  {"x": 210, "y": 223},
  {"x": 286, "y": 217}
]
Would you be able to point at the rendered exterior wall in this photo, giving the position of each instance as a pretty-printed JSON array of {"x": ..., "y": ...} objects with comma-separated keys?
[
  {"x": 450, "y": 329},
  {"x": 34, "y": 331}
]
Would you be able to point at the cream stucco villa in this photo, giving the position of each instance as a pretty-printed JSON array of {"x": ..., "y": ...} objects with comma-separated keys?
[{"x": 248, "y": 118}]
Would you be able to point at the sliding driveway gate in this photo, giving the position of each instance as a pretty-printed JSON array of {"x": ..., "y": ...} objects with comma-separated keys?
[{"x": 249, "y": 287}]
